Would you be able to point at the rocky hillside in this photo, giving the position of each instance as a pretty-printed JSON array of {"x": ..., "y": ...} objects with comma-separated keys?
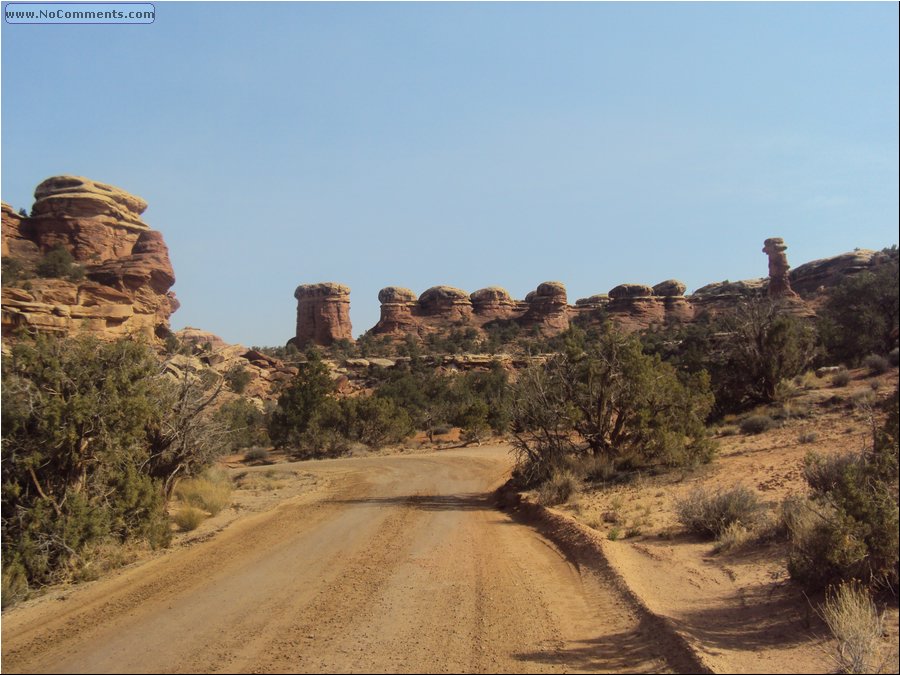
[{"x": 84, "y": 261}]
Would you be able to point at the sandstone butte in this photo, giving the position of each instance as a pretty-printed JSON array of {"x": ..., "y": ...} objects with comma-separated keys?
[{"x": 127, "y": 271}]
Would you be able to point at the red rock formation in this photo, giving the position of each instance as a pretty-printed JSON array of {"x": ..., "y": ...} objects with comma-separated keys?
[
  {"x": 323, "y": 314},
  {"x": 493, "y": 303},
  {"x": 676, "y": 307},
  {"x": 547, "y": 308},
  {"x": 397, "y": 307},
  {"x": 779, "y": 280},
  {"x": 127, "y": 264},
  {"x": 634, "y": 306},
  {"x": 446, "y": 304},
  {"x": 818, "y": 275}
]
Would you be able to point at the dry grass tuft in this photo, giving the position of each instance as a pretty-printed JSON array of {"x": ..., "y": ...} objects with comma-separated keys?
[
  {"x": 189, "y": 518},
  {"x": 210, "y": 492},
  {"x": 858, "y": 628}
]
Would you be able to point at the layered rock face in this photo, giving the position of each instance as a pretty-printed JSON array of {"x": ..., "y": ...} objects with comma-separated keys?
[
  {"x": 493, "y": 303},
  {"x": 323, "y": 314},
  {"x": 126, "y": 266}
]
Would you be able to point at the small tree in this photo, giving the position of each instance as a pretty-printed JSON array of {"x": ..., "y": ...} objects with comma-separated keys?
[{"x": 606, "y": 398}]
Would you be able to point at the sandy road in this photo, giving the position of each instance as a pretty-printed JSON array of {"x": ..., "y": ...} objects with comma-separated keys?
[{"x": 402, "y": 565}]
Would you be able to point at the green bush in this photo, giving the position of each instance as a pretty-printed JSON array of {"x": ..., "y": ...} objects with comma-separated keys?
[
  {"x": 244, "y": 424},
  {"x": 756, "y": 424},
  {"x": 711, "y": 514},
  {"x": 77, "y": 459}
]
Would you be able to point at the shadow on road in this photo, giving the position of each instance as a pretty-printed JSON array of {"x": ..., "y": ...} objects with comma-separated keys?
[{"x": 463, "y": 502}]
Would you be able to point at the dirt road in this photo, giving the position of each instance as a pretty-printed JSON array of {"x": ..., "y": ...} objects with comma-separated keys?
[{"x": 402, "y": 564}]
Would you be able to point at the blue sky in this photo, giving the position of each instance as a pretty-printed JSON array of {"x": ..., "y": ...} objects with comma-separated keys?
[{"x": 465, "y": 144}]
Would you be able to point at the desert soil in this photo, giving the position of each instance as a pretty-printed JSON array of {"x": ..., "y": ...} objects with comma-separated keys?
[{"x": 383, "y": 564}]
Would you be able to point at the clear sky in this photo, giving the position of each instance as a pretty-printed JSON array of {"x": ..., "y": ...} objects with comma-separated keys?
[{"x": 465, "y": 144}]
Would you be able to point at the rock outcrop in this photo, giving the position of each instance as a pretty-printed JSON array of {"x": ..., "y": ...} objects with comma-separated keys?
[
  {"x": 818, "y": 275},
  {"x": 323, "y": 314},
  {"x": 124, "y": 271}
]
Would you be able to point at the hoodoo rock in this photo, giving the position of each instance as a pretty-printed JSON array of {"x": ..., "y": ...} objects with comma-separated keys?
[
  {"x": 492, "y": 303},
  {"x": 634, "y": 306},
  {"x": 397, "y": 306},
  {"x": 446, "y": 303},
  {"x": 676, "y": 307},
  {"x": 123, "y": 269},
  {"x": 323, "y": 314},
  {"x": 779, "y": 280},
  {"x": 547, "y": 308}
]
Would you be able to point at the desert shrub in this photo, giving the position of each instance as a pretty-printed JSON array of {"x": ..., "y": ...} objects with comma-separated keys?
[
  {"x": 877, "y": 364},
  {"x": 857, "y": 627},
  {"x": 371, "y": 420},
  {"x": 710, "y": 514},
  {"x": 756, "y": 424},
  {"x": 58, "y": 263},
  {"x": 559, "y": 488},
  {"x": 809, "y": 437},
  {"x": 894, "y": 357},
  {"x": 852, "y": 530},
  {"x": 210, "y": 492},
  {"x": 841, "y": 378},
  {"x": 189, "y": 518},
  {"x": 256, "y": 455},
  {"x": 15, "y": 585},
  {"x": 237, "y": 378}
]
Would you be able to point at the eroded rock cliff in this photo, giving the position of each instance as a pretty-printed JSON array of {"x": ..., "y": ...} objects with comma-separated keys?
[{"x": 116, "y": 280}]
